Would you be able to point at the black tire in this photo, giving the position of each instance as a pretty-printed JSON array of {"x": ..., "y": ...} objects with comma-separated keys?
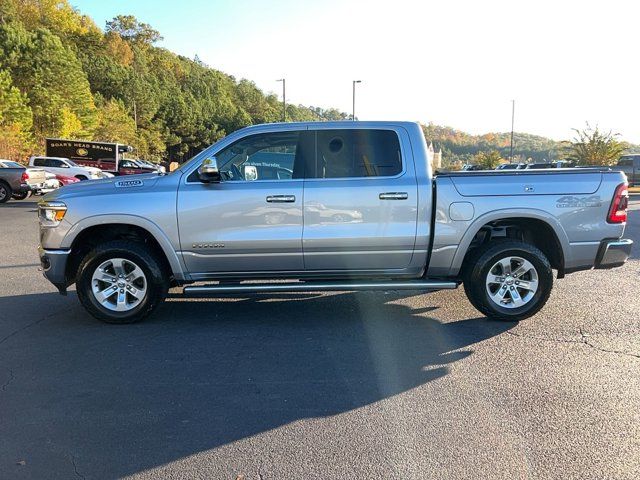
[
  {"x": 5, "y": 192},
  {"x": 20, "y": 196},
  {"x": 476, "y": 273},
  {"x": 82, "y": 178},
  {"x": 157, "y": 280}
]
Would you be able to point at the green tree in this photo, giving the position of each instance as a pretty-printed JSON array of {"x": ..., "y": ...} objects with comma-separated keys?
[
  {"x": 591, "y": 146},
  {"x": 13, "y": 104},
  {"x": 129, "y": 28},
  {"x": 114, "y": 123},
  {"x": 488, "y": 160},
  {"x": 150, "y": 144},
  {"x": 15, "y": 120},
  {"x": 52, "y": 77}
]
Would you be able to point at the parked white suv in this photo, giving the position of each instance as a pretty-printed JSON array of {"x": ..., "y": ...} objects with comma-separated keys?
[{"x": 64, "y": 166}]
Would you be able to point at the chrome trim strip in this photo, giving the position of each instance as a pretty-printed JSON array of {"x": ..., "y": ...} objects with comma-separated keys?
[
  {"x": 361, "y": 252},
  {"x": 56, "y": 252},
  {"x": 237, "y": 255},
  {"x": 221, "y": 254},
  {"x": 443, "y": 249}
]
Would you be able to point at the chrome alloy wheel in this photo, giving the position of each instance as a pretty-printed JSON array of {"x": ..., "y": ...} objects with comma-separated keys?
[
  {"x": 512, "y": 282},
  {"x": 119, "y": 284}
]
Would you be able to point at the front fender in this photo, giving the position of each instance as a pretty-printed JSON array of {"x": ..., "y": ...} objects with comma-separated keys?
[{"x": 175, "y": 262}]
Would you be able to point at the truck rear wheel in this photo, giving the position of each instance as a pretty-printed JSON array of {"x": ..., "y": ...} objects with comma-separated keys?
[
  {"x": 5, "y": 192},
  {"x": 121, "y": 281},
  {"x": 509, "y": 280}
]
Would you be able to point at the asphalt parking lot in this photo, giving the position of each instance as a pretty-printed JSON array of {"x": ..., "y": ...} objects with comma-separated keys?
[{"x": 341, "y": 385}]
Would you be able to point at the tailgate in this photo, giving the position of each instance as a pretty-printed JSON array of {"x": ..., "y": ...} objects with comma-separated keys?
[
  {"x": 36, "y": 176},
  {"x": 543, "y": 183}
]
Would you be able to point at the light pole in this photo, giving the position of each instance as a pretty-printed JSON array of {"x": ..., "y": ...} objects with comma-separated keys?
[
  {"x": 284, "y": 99},
  {"x": 353, "y": 98},
  {"x": 513, "y": 112}
]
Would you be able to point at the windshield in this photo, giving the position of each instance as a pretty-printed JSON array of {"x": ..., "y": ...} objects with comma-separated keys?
[{"x": 10, "y": 164}]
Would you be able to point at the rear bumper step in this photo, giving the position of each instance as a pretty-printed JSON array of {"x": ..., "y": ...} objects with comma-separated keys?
[
  {"x": 613, "y": 253},
  {"x": 318, "y": 287}
]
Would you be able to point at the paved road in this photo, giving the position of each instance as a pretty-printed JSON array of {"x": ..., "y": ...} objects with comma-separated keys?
[{"x": 318, "y": 386}]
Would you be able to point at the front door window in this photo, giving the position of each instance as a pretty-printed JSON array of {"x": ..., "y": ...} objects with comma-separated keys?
[{"x": 269, "y": 156}]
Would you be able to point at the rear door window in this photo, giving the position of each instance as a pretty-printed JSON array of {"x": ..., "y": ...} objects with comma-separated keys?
[
  {"x": 356, "y": 153},
  {"x": 40, "y": 162}
]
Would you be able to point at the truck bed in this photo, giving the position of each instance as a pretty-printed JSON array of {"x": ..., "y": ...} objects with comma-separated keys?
[
  {"x": 570, "y": 181},
  {"x": 573, "y": 202},
  {"x": 545, "y": 171}
]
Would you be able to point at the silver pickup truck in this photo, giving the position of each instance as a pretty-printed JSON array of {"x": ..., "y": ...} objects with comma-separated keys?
[
  {"x": 11, "y": 182},
  {"x": 329, "y": 206}
]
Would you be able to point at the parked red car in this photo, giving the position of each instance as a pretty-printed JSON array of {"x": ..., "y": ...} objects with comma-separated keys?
[{"x": 64, "y": 180}]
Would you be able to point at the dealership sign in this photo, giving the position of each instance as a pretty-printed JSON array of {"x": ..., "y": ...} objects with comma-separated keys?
[{"x": 83, "y": 150}]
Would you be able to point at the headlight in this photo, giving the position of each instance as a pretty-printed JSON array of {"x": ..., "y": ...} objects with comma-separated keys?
[{"x": 51, "y": 214}]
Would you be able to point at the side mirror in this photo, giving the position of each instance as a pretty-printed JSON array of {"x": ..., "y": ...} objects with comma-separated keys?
[{"x": 208, "y": 171}]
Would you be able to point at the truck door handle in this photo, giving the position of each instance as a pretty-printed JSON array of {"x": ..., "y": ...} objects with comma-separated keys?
[
  {"x": 394, "y": 196},
  {"x": 281, "y": 198}
]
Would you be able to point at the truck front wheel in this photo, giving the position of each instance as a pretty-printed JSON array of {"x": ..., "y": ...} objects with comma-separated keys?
[
  {"x": 508, "y": 280},
  {"x": 121, "y": 281}
]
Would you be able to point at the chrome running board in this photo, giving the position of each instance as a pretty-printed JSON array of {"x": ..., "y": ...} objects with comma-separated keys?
[{"x": 319, "y": 287}]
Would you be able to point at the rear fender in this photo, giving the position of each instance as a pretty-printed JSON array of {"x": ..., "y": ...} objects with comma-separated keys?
[{"x": 504, "y": 214}]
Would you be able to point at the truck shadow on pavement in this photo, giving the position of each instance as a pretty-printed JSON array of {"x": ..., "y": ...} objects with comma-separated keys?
[{"x": 201, "y": 374}]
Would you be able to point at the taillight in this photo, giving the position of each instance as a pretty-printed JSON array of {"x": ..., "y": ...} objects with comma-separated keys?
[
  {"x": 619, "y": 204},
  {"x": 25, "y": 176}
]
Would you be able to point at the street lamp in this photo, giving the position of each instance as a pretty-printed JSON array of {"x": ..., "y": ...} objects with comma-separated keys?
[
  {"x": 284, "y": 99},
  {"x": 513, "y": 112},
  {"x": 353, "y": 111}
]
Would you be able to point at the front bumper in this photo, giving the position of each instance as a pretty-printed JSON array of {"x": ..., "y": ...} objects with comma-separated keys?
[
  {"x": 54, "y": 267},
  {"x": 613, "y": 253}
]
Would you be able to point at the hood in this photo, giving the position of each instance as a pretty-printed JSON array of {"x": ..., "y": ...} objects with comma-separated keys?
[{"x": 106, "y": 186}]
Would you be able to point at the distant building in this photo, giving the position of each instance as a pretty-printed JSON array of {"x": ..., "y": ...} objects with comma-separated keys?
[{"x": 435, "y": 158}]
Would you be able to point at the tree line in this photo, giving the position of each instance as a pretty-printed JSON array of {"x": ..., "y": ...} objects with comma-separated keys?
[
  {"x": 590, "y": 146},
  {"x": 62, "y": 76}
]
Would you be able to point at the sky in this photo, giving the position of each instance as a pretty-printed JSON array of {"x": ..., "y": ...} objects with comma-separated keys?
[{"x": 450, "y": 62}]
